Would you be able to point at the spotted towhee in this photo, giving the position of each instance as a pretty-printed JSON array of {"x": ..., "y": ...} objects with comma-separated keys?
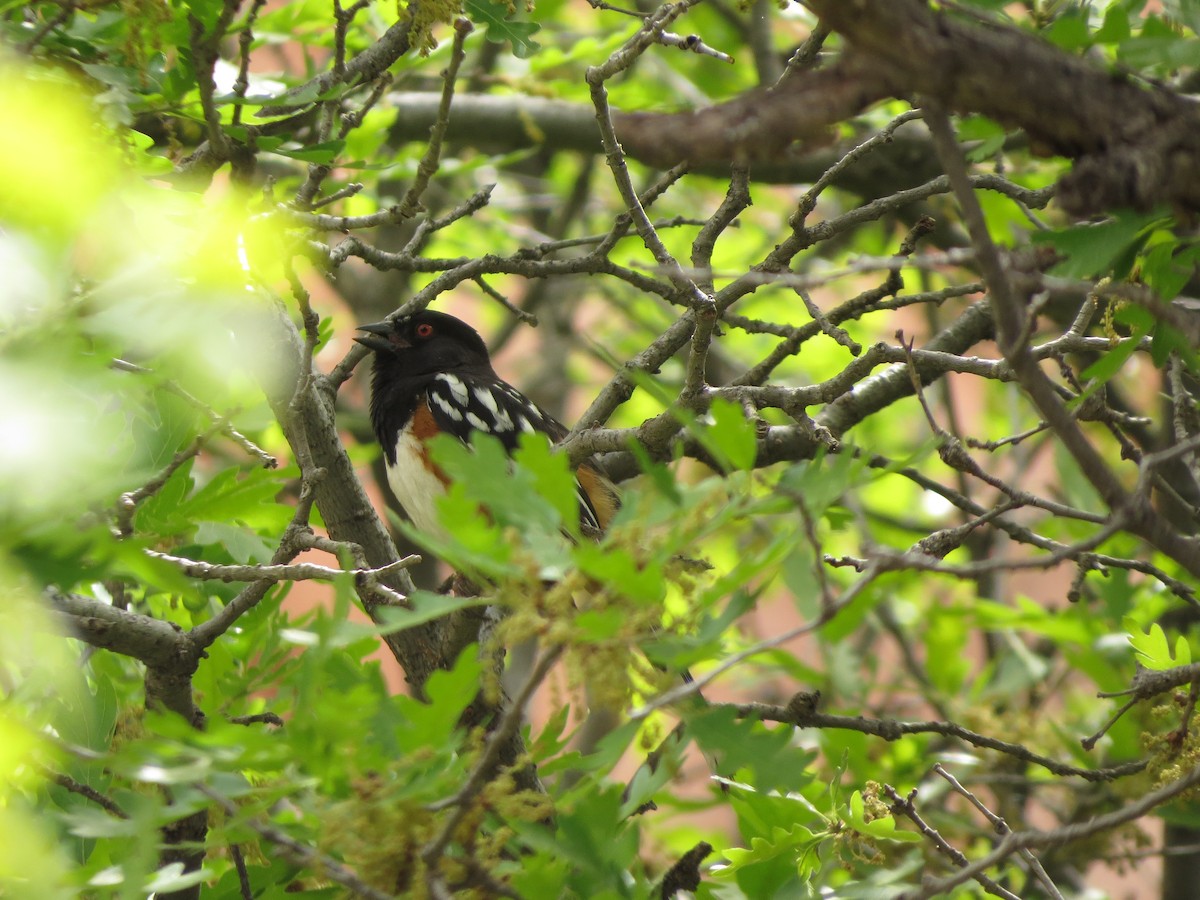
[{"x": 433, "y": 376}]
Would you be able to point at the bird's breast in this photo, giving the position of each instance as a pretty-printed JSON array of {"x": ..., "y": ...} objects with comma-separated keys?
[{"x": 413, "y": 477}]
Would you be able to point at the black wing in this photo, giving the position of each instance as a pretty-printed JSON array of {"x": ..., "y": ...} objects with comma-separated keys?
[{"x": 464, "y": 405}]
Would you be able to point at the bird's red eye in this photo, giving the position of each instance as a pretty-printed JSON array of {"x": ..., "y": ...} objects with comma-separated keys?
[{"x": 424, "y": 330}]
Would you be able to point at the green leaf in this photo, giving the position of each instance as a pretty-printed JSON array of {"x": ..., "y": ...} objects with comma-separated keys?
[
  {"x": 1069, "y": 626},
  {"x": 801, "y": 581},
  {"x": 616, "y": 567},
  {"x": 513, "y": 499},
  {"x": 93, "y": 822},
  {"x": 823, "y": 480},
  {"x": 679, "y": 651},
  {"x": 1152, "y": 649},
  {"x": 782, "y": 848},
  {"x": 944, "y": 635},
  {"x": 882, "y": 828},
  {"x": 242, "y": 544},
  {"x": 474, "y": 545},
  {"x": 649, "y": 780},
  {"x": 770, "y": 864},
  {"x": 542, "y": 874},
  {"x": 1108, "y": 364},
  {"x": 321, "y": 154},
  {"x": 159, "y": 514},
  {"x": 171, "y": 877},
  {"x": 240, "y": 495},
  {"x": 424, "y": 606},
  {"x": 658, "y": 474},
  {"x": 740, "y": 743},
  {"x": 551, "y": 740},
  {"x": 1069, "y": 31},
  {"x": 148, "y": 162},
  {"x": 1115, "y": 27},
  {"x": 989, "y": 134},
  {"x": 287, "y": 102},
  {"x": 552, "y": 479},
  {"x": 732, "y": 434},
  {"x": 704, "y": 434},
  {"x": 206, "y": 11},
  {"x": 448, "y": 693},
  {"x": 1166, "y": 267},
  {"x": 1092, "y": 250},
  {"x": 1160, "y": 53},
  {"x": 1168, "y": 340},
  {"x": 501, "y": 28}
]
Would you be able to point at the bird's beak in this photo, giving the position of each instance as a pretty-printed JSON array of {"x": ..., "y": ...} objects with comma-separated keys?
[{"x": 380, "y": 336}]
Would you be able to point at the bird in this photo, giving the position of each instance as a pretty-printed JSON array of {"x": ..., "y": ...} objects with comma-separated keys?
[{"x": 433, "y": 375}]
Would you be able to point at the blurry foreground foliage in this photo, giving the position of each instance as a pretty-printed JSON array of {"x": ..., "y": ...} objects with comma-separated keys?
[{"x": 164, "y": 216}]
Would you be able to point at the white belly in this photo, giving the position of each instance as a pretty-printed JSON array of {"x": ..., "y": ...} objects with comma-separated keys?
[{"x": 414, "y": 485}]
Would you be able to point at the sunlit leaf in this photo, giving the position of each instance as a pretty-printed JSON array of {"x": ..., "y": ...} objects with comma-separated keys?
[{"x": 1153, "y": 649}]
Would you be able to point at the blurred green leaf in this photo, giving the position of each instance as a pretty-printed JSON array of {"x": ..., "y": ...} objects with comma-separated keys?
[
  {"x": 497, "y": 17},
  {"x": 990, "y": 136},
  {"x": 1069, "y": 31},
  {"x": 424, "y": 606},
  {"x": 1092, "y": 250},
  {"x": 617, "y": 568},
  {"x": 740, "y": 743},
  {"x": 733, "y": 434},
  {"x": 448, "y": 693},
  {"x": 1115, "y": 27},
  {"x": 318, "y": 154},
  {"x": 1108, "y": 364}
]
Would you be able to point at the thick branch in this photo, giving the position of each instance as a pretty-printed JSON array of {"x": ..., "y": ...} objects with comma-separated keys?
[
  {"x": 1136, "y": 145},
  {"x": 153, "y": 641},
  {"x": 505, "y": 123},
  {"x": 307, "y": 420}
]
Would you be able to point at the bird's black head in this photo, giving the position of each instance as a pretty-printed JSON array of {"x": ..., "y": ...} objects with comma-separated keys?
[{"x": 425, "y": 343}]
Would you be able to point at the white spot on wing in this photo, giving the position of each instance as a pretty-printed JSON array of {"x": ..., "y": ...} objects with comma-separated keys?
[
  {"x": 447, "y": 407},
  {"x": 457, "y": 388},
  {"x": 585, "y": 511},
  {"x": 484, "y": 396},
  {"x": 475, "y": 422},
  {"x": 525, "y": 425},
  {"x": 500, "y": 418}
]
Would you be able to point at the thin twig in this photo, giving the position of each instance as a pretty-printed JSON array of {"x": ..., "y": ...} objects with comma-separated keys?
[
  {"x": 485, "y": 767},
  {"x": 675, "y": 695},
  {"x": 802, "y": 713},
  {"x": 1056, "y": 836},
  {"x": 83, "y": 790},
  {"x": 1002, "y": 829},
  {"x": 239, "y": 862},
  {"x": 245, "y": 39},
  {"x": 59, "y": 18},
  {"x": 596, "y": 76},
  {"x": 527, "y": 317},
  {"x": 294, "y": 851},
  {"x": 430, "y": 159},
  {"x": 267, "y": 718},
  {"x": 905, "y": 806},
  {"x": 268, "y": 461},
  {"x": 205, "y": 54},
  {"x": 195, "y": 568}
]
